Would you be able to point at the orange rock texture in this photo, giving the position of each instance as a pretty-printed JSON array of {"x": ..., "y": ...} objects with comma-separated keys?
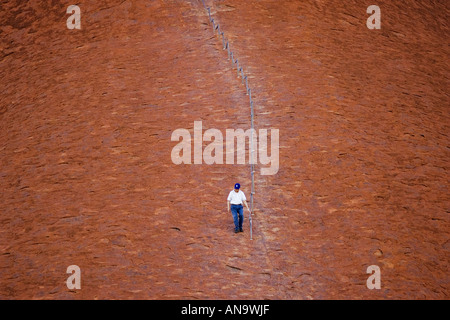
[{"x": 86, "y": 172}]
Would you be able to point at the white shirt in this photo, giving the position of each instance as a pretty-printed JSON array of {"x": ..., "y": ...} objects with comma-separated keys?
[{"x": 236, "y": 197}]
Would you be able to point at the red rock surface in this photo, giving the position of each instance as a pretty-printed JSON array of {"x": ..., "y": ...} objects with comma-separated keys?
[{"x": 86, "y": 119}]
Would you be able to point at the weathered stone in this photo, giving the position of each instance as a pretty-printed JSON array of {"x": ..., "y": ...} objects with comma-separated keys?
[{"x": 86, "y": 117}]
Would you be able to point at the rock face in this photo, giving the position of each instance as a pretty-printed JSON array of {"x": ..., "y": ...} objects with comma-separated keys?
[{"x": 87, "y": 177}]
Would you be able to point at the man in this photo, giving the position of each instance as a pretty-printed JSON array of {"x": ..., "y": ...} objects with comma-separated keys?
[{"x": 236, "y": 198}]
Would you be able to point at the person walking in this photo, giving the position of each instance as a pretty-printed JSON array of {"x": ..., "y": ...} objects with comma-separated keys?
[{"x": 236, "y": 198}]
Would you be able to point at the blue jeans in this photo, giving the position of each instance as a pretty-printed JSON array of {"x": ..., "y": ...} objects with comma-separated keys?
[{"x": 237, "y": 210}]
